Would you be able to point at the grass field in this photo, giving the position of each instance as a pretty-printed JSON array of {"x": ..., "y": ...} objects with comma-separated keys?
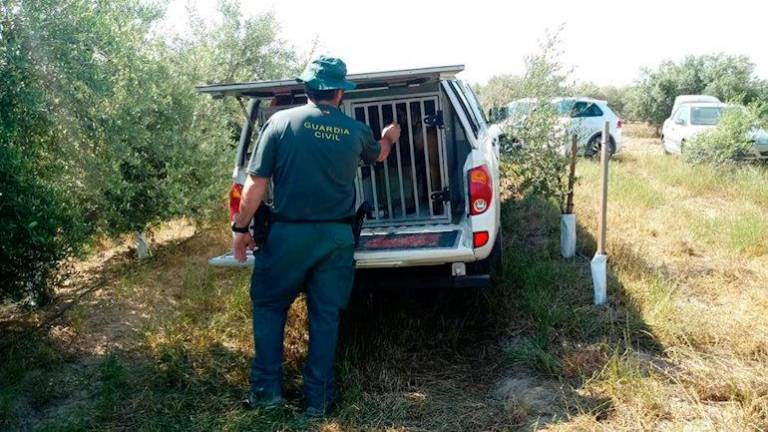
[{"x": 681, "y": 345}]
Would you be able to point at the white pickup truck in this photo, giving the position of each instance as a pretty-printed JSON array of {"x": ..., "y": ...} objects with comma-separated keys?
[{"x": 434, "y": 203}]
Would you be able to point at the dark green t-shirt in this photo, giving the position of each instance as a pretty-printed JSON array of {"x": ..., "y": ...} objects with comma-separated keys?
[{"x": 312, "y": 154}]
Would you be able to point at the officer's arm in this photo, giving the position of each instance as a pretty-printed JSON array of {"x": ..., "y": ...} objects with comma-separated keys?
[
  {"x": 253, "y": 194},
  {"x": 386, "y": 147},
  {"x": 260, "y": 169},
  {"x": 389, "y": 136}
]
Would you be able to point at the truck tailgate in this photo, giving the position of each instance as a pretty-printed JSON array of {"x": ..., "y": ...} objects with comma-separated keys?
[{"x": 387, "y": 249}]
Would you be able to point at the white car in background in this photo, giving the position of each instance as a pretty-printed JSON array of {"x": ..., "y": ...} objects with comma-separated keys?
[
  {"x": 585, "y": 117},
  {"x": 686, "y": 99},
  {"x": 692, "y": 118}
]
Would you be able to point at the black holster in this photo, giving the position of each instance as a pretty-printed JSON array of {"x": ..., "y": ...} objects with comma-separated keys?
[
  {"x": 357, "y": 223},
  {"x": 262, "y": 221}
]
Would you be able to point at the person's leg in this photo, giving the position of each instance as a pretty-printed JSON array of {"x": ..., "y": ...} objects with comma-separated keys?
[
  {"x": 329, "y": 285},
  {"x": 278, "y": 272},
  {"x": 266, "y": 367}
]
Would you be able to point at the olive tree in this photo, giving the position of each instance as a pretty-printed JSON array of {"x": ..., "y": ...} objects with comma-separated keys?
[
  {"x": 535, "y": 155},
  {"x": 101, "y": 129}
]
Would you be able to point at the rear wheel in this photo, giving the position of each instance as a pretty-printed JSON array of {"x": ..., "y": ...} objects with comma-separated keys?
[{"x": 595, "y": 145}]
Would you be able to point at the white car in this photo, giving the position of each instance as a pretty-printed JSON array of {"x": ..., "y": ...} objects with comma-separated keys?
[
  {"x": 686, "y": 99},
  {"x": 692, "y": 118},
  {"x": 585, "y": 117},
  {"x": 434, "y": 203},
  {"x": 688, "y": 120}
]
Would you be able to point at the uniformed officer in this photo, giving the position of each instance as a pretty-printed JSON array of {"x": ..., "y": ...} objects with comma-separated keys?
[{"x": 311, "y": 154}]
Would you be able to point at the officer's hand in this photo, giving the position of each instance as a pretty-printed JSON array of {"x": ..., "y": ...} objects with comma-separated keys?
[
  {"x": 392, "y": 132},
  {"x": 240, "y": 244}
]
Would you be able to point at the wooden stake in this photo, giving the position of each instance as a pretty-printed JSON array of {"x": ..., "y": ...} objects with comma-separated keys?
[
  {"x": 571, "y": 176},
  {"x": 604, "y": 158}
]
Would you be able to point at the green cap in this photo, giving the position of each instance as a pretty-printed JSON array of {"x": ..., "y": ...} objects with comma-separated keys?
[{"x": 326, "y": 73}]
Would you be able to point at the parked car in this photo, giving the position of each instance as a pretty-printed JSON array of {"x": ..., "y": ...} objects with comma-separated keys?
[
  {"x": 434, "y": 203},
  {"x": 685, "y": 99},
  {"x": 691, "y": 119},
  {"x": 585, "y": 117}
]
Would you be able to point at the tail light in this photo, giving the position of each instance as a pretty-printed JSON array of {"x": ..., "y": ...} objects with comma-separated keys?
[
  {"x": 235, "y": 192},
  {"x": 480, "y": 238},
  {"x": 619, "y": 124},
  {"x": 480, "y": 190}
]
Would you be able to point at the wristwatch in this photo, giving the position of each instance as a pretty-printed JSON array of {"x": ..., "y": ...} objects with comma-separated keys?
[{"x": 241, "y": 230}]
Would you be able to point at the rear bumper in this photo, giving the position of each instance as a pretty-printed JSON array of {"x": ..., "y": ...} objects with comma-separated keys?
[
  {"x": 380, "y": 259},
  {"x": 418, "y": 278},
  {"x": 413, "y": 257},
  {"x": 403, "y": 274}
]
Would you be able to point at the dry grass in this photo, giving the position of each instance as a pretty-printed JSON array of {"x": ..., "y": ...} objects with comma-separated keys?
[
  {"x": 639, "y": 131},
  {"x": 682, "y": 344},
  {"x": 700, "y": 287}
]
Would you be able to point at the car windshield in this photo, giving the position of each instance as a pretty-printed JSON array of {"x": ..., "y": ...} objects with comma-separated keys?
[{"x": 706, "y": 116}]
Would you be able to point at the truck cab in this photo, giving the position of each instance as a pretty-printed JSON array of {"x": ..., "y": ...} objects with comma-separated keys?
[{"x": 434, "y": 203}]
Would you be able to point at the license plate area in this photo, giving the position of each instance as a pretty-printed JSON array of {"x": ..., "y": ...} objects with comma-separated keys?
[{"x": 432, "y": 240}]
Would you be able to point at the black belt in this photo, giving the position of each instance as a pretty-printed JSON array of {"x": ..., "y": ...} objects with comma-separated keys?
[{"x": 350, "y": 220}]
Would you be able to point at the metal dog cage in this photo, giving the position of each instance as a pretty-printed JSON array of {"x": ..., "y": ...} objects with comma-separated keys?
[{"x": 410, "y": 187}]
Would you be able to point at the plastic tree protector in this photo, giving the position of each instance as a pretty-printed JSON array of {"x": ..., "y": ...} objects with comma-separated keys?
[{"x": 568, "y": 235}]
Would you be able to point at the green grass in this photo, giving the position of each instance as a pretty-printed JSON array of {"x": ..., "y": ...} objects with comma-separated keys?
[
  {"x": 628, "y": 185},
  {"x": 740, "y": 230},
  {"x": 748, "y": 234}
]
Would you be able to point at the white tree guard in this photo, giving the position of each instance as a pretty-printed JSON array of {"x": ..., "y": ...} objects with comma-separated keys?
[
  {"x": 568, "y": 235},
  {"x": 142, "y": 246},
  {"x": 599, "y": 267}
]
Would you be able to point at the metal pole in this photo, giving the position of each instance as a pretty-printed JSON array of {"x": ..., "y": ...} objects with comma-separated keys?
[
  {"x": 399, "y": 164},
  {"x": 441, "y": 157},
  {"x": 413, "y": 160},
  {"x": 427, "y": 164},
  {"x": 372, "y": 167},
  {"x": 604, "y": 158},
  {"x": 380, "y": 109},
  {"x": 571, "y": 175}
]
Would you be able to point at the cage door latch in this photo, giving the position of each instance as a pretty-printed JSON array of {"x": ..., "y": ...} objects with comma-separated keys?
[
  {"x": 443, "y": 195},
  {"x": 435, "y": 120}
]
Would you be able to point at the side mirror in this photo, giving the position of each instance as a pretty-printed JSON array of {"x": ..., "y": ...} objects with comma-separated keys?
[
  {"x": 493, "y": 114},
  {"x": 680, "y": 122}
]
